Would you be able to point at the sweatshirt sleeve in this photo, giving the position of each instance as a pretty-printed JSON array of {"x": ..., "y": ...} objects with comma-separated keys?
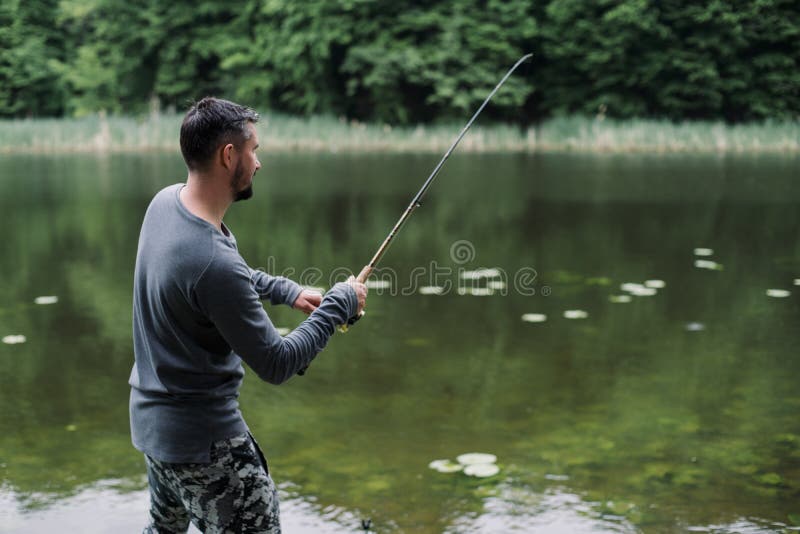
[
  {"x": 227, "y": 297},
  {"x": 278, "y": 289}
]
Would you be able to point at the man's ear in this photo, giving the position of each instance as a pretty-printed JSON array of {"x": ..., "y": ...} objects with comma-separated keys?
[{"x": 227, "y": 155}]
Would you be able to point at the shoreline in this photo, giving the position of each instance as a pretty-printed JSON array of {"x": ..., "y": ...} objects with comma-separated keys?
[{"x": 279, "y": 133}]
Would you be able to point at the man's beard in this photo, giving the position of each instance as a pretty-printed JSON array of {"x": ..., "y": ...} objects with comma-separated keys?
[{"x": 238, "y": 176}]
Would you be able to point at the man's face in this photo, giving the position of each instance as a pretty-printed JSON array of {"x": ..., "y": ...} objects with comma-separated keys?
[{"x": 246, "y": 167}]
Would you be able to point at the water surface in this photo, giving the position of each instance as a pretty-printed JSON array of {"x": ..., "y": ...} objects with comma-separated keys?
[{"x": 625, "y": 421}]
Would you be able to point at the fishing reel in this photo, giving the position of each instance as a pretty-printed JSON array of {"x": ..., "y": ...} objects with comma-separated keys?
[{"x": 343, "y": 328}]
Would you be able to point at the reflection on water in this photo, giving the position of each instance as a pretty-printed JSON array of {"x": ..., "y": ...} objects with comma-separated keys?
[
  {"x": 553, "y": 512},
  {"x": 127, "y": 512},
  {"x": 671, "y": 411}
]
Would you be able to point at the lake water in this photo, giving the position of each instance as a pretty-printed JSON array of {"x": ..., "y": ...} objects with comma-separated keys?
[{"x": 676, "y": 411}]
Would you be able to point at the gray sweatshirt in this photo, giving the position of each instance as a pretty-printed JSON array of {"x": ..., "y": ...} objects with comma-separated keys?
[{"x": 197, "y": 314}]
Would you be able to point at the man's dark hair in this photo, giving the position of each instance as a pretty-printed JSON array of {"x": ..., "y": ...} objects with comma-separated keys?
[{"x": 209, "y": 123}]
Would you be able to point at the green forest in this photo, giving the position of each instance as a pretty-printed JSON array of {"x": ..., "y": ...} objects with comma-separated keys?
[{"x": 405, "y": 62}]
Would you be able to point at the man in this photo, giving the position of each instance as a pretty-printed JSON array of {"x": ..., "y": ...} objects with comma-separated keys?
[{"x": 196, "y": 315}]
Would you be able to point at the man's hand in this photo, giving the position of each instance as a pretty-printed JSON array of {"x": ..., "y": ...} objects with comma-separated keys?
[
  {"x": 361, "y": 293},
  {"x": 307, "y": 301}
]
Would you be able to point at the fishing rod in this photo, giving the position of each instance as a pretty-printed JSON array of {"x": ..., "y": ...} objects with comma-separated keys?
[{"x": 417, "y": 200}]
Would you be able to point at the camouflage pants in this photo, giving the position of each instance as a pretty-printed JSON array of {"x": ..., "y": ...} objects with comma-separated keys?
[{"x": 232, "y": 494}]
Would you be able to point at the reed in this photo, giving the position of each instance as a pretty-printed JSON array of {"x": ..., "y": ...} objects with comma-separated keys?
[
  {"x": 599, "y": 135},
  {"x": 100, "y": 133}
]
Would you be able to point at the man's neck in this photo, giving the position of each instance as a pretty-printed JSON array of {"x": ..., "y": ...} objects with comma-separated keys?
[{"x": 204, "y": 197}]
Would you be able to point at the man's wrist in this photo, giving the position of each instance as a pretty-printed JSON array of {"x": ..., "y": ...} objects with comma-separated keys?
[{"x": 293, "y": 292}]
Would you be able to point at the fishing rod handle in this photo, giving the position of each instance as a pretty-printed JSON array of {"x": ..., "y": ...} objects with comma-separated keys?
[
  {"x": 364, "y": 274},
  {"x": 361, "y": 279}
]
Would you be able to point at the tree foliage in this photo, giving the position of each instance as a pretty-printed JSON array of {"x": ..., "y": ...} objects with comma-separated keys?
[{"x": 405, "y": 62}]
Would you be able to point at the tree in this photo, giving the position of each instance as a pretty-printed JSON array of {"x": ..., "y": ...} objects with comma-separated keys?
[
  {"x": 405, "y": 62},
  {"x": 29, "y": 81}
]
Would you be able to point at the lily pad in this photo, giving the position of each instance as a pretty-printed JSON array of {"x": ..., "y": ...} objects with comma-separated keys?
[
  {"x": 619, "y": 299},
  {"x": 655, "y": 284},
  {"x": 50, "y": 299},
  {"x": 708, "y": 264},
  {"x": 431, "y": 290},
  {"x": 71, "y": 428},
  {"x": 778, "y": 293},
  {"x": 480, "y": 273},
  {"x": 534, "y": 317},
  {"x": 445, "y": 466},
  {"x": 481, "y": 470},
  {"x": 14, "y": 339},
  {"x": 474, "y": 458},
  {"x": 631, "y": 287},
  {"x": 797, "y": 281},
  {"x": 703, "y": 251},
  {"x": 695, "y": 327},
  {"x": 644, "y": 292},
  {"x": 638, "y": 290},
  {"x": 575, "y": 314}
]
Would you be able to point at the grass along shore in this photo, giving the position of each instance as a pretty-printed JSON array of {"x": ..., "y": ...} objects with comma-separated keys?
[{"x": 98, "y": 133}]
